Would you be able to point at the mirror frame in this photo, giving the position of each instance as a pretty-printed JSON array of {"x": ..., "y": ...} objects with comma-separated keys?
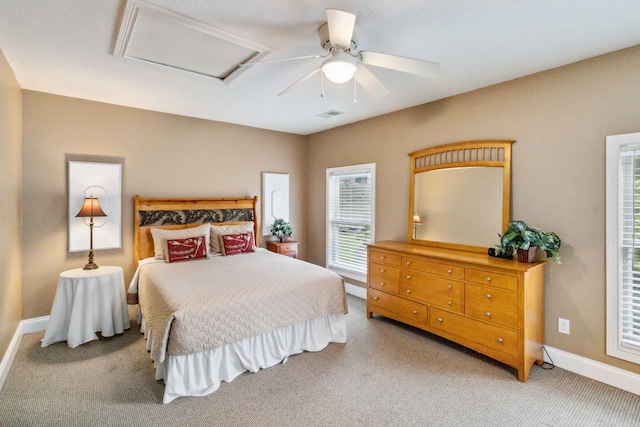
[{"x": 477, "y": 153}]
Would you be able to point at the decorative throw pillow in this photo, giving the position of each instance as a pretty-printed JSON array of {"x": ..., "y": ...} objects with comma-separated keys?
[
  {"x": 233, "y": 244},
  {"x": 220, "y": 230},
  {"x": 186, "y": 249},
  {"x": 161, "y": 235}
]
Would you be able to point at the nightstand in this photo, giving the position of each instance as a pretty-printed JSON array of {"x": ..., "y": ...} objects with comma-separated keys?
[
  {"x": 288, "y": 248},
  {"x": 86, "y": 302}
]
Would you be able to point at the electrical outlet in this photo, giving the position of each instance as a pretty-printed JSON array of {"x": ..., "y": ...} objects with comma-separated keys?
[{"x": 563, "y": 326}]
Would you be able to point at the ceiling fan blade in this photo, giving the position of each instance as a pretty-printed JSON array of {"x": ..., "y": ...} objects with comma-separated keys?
[
  {"x": 341, "y": 26},
  {"x": 400, "y": 63},
  {"x": 303, "y": 79},
  {"x": 370, "y": 82}
]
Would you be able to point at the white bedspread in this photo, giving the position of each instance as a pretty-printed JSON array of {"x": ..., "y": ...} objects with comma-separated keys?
[{"x": 195, "y": 306}]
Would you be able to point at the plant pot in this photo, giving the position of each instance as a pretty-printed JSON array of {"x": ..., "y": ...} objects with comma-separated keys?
[
  {"x": 284, "y": 237},
  {"x": 527, "y": 255}
]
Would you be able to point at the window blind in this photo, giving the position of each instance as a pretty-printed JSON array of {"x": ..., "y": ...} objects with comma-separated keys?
[
  {"x": 629, "y": 255},
  {"x": 350, "y": 210}
]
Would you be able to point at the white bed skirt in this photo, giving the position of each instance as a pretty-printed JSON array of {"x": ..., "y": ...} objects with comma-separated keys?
[{"x": 201, "y": 373}]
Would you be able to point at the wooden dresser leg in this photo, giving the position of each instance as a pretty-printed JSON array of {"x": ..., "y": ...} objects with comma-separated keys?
[{"x": 523, "y": 374}]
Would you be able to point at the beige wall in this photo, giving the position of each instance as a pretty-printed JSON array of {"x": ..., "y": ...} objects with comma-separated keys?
[
  {"x": 164, "y": 155},
  {"x": 560, "y": 119},
  {"x": 10, "y": 184}
]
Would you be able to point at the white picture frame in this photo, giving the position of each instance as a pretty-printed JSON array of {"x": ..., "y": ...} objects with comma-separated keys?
[
  {"x": 104, "y": 181},
  {"x": 275, "y": 199}
]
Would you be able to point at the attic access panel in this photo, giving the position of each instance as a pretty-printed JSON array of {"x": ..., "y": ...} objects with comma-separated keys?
[{"x": 160, "y": 37}]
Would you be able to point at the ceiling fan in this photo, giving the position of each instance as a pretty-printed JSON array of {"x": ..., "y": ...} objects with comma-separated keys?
[{"x": 342, "y": 63}]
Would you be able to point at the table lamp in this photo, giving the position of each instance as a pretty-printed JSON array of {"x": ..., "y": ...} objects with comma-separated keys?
[
  {"x": 416, "y": 222},
  {"x": 90, "y": 208}
]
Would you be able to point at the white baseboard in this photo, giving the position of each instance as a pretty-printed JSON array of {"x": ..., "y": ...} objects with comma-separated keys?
[
  {"x": 357, "y": 291},
  {"x": 10, "y": 354},
  {"x": 598, "y": 371},
  {"x": 36, "y": 324},
  {"x": 24, "y": 327}
]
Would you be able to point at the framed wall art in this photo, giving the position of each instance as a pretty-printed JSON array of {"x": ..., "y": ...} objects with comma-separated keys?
[
  {"x": 102, "y": 180},
  {"x": 275, "y": 199}
]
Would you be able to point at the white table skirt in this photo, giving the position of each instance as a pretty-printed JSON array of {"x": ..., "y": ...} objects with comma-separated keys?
[{"x": 86, "y": 302}]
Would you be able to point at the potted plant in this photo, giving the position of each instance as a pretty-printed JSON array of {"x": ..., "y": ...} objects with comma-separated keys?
[
  {"x": 525, "y": 240},
  {"x": 281, "y": 229}
]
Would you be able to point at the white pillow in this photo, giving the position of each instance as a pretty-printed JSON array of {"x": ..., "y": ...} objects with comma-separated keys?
[
  {"x": 219, "y": 230},
  {"x": 160, "y": 235}
]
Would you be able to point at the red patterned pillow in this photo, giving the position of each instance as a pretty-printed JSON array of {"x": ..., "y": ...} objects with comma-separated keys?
[
  {"x": 186, "y": 249},
  {"x": 232, "y": 244}
]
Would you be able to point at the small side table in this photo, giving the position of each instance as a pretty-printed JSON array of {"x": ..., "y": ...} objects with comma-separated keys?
[
  {"x": 86, "y": 302},
  {"x": 288, "y": 248}
]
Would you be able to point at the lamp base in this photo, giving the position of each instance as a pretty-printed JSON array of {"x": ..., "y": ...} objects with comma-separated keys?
[{"x": 90, "y": 266}]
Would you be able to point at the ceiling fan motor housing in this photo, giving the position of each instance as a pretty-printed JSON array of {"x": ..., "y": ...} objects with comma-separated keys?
[{"x": 326, "y": 44}]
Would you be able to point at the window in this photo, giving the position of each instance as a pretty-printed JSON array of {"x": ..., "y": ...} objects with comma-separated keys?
[
  {"x": 350, "y": 218},
  {"x": 623, "y": 246}
]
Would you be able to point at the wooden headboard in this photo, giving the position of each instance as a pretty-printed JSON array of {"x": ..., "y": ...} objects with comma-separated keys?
[{"x": 179, "y": 213}]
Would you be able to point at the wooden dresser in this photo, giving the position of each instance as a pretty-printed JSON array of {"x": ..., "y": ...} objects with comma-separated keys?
[{"x": 491, "y": 305}]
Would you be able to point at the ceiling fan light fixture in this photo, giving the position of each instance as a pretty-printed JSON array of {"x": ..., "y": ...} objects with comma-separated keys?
[{"x": 340, "y": 68}]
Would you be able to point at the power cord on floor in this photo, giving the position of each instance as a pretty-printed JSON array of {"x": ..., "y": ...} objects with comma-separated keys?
[{"x": 547, "y": 365}]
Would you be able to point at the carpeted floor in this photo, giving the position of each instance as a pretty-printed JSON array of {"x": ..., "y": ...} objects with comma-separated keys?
[{"x": 386, "y": 374}]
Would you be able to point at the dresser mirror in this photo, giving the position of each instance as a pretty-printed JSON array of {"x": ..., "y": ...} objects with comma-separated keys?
[{"x": 460, "y": 195}]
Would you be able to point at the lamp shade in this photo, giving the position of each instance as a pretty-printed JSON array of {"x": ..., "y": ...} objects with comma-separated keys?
[
  {"x": 339, "y": 68},
  {"x": 90, "y": 208},
  {"x": 416, "y": 219}
]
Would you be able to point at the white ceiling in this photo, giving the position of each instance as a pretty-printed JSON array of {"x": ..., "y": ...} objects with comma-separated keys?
[{"x": 66, "y": 47}]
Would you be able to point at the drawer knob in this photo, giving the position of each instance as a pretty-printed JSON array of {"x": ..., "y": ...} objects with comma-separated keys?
[
  {"x": 488, "y": 296},
  {"x": 449, "y": 271},
  {"x": 408, "y": 262},
  {"x": 376, "y": 298},
  {"x": 408, "y": 277},
  {"x": 500, "y": 340},
  {"x": 488, "y": 313},
  {"x": 382, "y": 270},
  {"x": 440, "y": 319},
  {"x": 449, "y": 303},
  {"x": 382, "y": 257},
  {"x": 415, "y": 311},
  {"x": 488, "y": 279},
  {"x": 381, "y": 283},
  {"x": 408, "y": 291},
  {"x": 449, "y": 287}
]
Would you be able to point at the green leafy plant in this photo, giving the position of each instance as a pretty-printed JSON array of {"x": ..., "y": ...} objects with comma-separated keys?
[
  {"x": 281, "y": 228},
  {"x": 520, "y": 236}
]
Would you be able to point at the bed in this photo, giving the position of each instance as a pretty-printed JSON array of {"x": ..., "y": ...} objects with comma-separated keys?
[{"x": 212, "y": 304}]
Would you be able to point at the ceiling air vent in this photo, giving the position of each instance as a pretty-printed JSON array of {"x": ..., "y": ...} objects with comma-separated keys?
[
  {"x": 330, "y": 114},
  {"x": 163, "y": 38}
]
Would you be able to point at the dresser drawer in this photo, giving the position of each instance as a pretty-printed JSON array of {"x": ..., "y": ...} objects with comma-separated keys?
[
  {"x": 497, "y": 299},
  {"x": 490, "y": 313},
  {"x": 384, "y": 258},
  {"x": 491, "y": 278},
  {"x": 397, "y": 305},
  {"x": 384, "y": 282},
  {"x": 384, "y": 271},
  {"x": 429, "y": 281},
  {"x": 449, "y": 302},
  {"x": 488, "y": 335},
  {"x": 289, "y": 252},
  {"x": 432, "y": 267}
]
